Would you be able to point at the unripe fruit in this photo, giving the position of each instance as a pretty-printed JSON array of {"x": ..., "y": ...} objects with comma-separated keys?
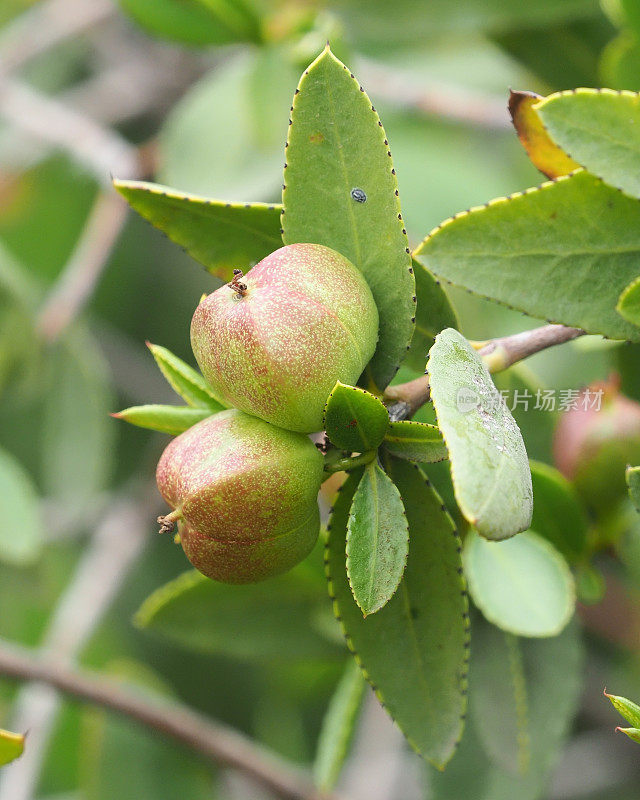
[
  {"x": 275, "y": 341},
  {"x": 244, "y": 494},
  {"x": 594, "y": 442}
]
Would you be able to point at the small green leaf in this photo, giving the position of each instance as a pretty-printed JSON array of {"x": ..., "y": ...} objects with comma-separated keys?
[
  {"x": 633, "y": 482},
  {"x": 489, "y": 465},
  {"x": 222, "y": 236},
  {"x": 522, "y": 585},
  {"x": 626, "y": 708},
  {"x": 414, "y": 650},
  {"x": 632, "y": 733},
  {"x": 21, "y": 531},
  {"x": 434, "y": 312},
  {"x": 11, "y": 747},
  {"x": 198, "y": 22},
  {"x": 184, "y": 380},
  {"x": 210, "y": 617},
  {"x": 165, "y": 419},
  {"x": 600, "y": 129},
  {"x": 377, "y": 540},
  {"x": 341, "y": 191},
  {"x": 541, "y": 149},
  {"x": 354, "y": 419},
  {"x": 415, "y": 441},
  {"x": 557, "y": 512},
  {"x": 629, "y": 302},
  {"x": 338, "y": 727},
  {"x": 562, "y": 252}
]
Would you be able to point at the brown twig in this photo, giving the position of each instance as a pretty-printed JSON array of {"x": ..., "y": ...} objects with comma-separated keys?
[
  {"x": 214, "y": 741},
  {"x": 498, "y": 354},
  {"x": 79, "y": 278}
]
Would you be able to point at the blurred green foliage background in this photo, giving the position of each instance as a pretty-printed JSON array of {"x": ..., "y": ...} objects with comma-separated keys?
[{"x": 195, "y": 94}]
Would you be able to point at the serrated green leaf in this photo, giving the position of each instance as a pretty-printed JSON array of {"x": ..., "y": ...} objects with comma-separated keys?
[
  {"x": 522, "y": 585},
  {"x": 275, "y": 620},
  {"x": 562, "y": 252},
  {"x": 489, "y": 465},
  {"x": 199, "y": 22},
  {"x": 21, "y": 532},
  {"x": 414, "y": 650},
  {"x": 434, "y": 312},
  {"x": 341, "y": 191},
  {"x": 415, "y": 441},
  {"x": 354, "y": 419},
  {"x": 377, "y": 540},
  {"x": 629, "y": 302},
  {"x": 220, "y": 235},
  {"x": 184, "y": 380},
  {"x": 165, "y": 419},
  {"x": 11, "y": 747},
  {"x": 558, "y": 515},
  {"x": 498, "y": 699},
  {"x": 338, "y": 727},
  {"x": 626, "y": 708},
  {"x": 600, "y": 129},
  {"x": 544, "y": 153},
  {"x": 633, "y": 482}
]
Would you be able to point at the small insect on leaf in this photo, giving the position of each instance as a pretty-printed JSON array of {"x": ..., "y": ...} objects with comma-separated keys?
[{"x": 359, "y": 195}]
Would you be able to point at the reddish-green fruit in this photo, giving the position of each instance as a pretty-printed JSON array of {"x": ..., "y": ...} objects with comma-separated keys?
[
  {"x": 594, "y": 442},
  {"x": 244, "y": 494},
  {"x": 275, "y": 341}
]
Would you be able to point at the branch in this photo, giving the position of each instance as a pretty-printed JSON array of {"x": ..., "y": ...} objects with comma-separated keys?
[
  {"x": 214, "y": 741},
  {"x": 449, "y": 102},
  {"x": 497, "y": 354},
  {"x": 101, "y": 150}
]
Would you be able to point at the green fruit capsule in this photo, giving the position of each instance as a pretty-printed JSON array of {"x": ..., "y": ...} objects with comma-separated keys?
[
  {"x": 244, "y": 495},
  {"x": 275, "y": 341}
]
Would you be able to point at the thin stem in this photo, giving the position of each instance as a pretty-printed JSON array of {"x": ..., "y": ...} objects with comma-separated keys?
[
  {"x": 350, "y": 462},
  {"x": 498, "y": 354},
  {"x": 214, "y": 741}
]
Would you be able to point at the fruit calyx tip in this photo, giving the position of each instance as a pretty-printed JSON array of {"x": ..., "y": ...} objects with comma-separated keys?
[{"x": 239, "y": 288}]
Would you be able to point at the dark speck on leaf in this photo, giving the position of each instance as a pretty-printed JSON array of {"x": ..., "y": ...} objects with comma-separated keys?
[
  {"x": 359, "y": 195},
  {"x": 414, "y": 613}
]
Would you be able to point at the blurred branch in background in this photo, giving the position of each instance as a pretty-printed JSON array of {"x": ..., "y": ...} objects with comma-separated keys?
[
  {"x": 214, "y": 741},
  {"x": 114, "y": 547}
]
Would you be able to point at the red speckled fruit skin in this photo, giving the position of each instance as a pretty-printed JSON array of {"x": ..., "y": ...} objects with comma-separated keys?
[
  {"x": 247, "y": 493},
  {"x": 307, "y": 320}
]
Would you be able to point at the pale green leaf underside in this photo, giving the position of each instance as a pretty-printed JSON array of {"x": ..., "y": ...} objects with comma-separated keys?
[
  {"x": 354, "y": 419},
  {"x": 338, "y": 727},
  {"x": 210, "y": 617},
  {"x": 522, "y": 585},
  {"x": 220, "y": 235},
  {"x": 489, "y": 464},
  {"x": 600, "y": 129},
  {"x": 415, "y": 441},
  {"x": 164, "y": 419},
  {"x": 414, "y": 650},
  {"x": 184, "y": 380},
  {"x": 629, "y": 303},
  {"x": 11, "y": 746},
  {"x": 562, "y": 252},
  {"x": 633, "y": 482},
  {"x": 377, "y": 540},
  {"x": 21, "y": 532},
  {"x": 336, "y": 145}
]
